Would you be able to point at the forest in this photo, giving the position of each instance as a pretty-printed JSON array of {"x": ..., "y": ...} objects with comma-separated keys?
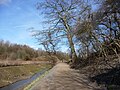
[{"x": 13, "y": 52}]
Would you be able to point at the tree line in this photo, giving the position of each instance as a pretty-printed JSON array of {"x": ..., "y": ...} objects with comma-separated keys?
[
  {"x": 14, "y": 51},
  {"x": 9, "y": 51},
  {"x": 90, "y": 28}
]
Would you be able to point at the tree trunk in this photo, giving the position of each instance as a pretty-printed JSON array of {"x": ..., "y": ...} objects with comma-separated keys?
[
  {"x": 73, "y": 53},
  {"x": 69, "y": 36}
]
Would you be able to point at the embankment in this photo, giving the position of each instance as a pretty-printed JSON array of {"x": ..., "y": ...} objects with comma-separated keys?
[{"x": 12, "y": 74}]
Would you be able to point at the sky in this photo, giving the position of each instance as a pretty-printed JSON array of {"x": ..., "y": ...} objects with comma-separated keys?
[{"x": 16, "y": 17}]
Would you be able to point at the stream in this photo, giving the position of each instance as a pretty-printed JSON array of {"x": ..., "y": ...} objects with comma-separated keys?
[{"x": 21, "y": 83}]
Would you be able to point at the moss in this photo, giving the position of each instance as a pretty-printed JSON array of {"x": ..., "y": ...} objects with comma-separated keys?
[{"x": 14, "y": 73}]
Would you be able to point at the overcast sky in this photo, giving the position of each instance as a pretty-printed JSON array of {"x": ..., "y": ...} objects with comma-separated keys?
[{"x": 16, "y": 16}]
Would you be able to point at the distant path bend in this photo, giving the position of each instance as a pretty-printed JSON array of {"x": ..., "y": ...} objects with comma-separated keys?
[{"x": 61, "y": 77}]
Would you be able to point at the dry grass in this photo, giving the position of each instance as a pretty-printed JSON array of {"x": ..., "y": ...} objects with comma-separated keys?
[
  {"x": 19, "y": 62},
  {"x": 42, "y": 59}
]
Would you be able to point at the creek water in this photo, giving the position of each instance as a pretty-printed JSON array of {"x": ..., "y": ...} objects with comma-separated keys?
[{"x": 21, "y": 83}]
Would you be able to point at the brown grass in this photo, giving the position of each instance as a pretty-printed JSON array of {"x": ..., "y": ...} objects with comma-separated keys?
[{"x": 17, "y": 63}]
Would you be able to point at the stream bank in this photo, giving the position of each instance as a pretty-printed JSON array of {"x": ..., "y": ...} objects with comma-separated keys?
[
  {"x": 22, "y": 83},
  {"x": 12, "y": 74}
]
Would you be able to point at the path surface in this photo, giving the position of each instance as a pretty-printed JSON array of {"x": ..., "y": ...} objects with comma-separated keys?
[{"x": 61, "y": 77}]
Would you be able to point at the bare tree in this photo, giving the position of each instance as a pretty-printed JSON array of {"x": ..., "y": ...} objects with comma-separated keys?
[
  {"x": 100, "y": 35},
  {"x": 47, "y": 39},
  {"x": 61, "y": 16}
]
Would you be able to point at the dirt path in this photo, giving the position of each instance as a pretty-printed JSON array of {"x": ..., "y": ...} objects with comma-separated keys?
[{"x": 61, "y": 77}]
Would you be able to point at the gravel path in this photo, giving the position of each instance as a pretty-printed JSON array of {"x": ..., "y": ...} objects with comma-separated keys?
[{"x": 61, "y": 77}]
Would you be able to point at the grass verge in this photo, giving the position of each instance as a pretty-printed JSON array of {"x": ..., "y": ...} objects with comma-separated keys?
[
  {"x": 12, "y": 74},
  {"x": 33, "y": 83}
]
